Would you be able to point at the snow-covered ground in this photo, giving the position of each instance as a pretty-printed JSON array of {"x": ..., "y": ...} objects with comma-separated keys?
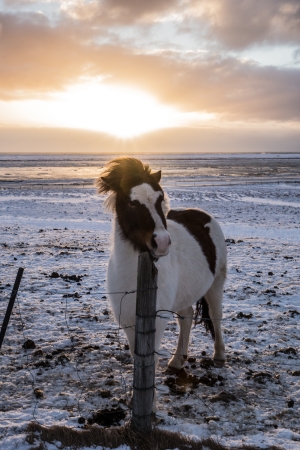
[{"x": 80, "y": 362}]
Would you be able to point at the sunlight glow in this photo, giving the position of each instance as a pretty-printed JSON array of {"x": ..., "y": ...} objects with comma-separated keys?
[{"x": 121, "y": 111}]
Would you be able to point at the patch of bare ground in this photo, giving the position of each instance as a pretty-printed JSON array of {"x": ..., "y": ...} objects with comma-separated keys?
[{"x": 157, "y": 439}]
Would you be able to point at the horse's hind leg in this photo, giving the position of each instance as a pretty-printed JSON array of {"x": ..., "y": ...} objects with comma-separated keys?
[
  {"x": 185, "y": 325},
  {"x": 214, "y": 299}
]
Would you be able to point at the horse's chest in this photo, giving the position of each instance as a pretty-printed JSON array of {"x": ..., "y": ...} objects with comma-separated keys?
[{"x": 122, "y": 269}]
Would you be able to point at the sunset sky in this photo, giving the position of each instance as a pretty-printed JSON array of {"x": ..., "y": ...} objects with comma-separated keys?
[{"x": 139, "y": 76}]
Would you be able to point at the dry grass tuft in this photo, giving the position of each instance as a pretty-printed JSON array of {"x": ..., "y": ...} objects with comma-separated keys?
[{"x": 114, "y": 437}]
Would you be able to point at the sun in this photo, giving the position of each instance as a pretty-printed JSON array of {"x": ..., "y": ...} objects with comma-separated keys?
[
  {"x": 118, "y": 110},
  {"x": 122, "y": 111}
]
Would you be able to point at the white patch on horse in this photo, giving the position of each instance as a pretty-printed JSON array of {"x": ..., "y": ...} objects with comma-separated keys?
[{"x": 148, "y": 197}]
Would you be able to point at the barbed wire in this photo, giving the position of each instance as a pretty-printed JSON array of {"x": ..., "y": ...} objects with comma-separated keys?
[
  {"x": 83, "y": 385},
  {"x": 159, "y": 314}
]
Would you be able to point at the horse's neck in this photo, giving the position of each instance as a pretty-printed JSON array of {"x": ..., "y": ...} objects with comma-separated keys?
[
  {"x": 123, "y": 263},
  {"x": 122, "y": 248}
]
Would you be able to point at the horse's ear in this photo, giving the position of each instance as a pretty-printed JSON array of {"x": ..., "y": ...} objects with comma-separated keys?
[{"x": 156, "y": 176}]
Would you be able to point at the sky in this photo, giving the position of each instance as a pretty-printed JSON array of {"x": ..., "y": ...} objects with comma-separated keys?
[{"x": 194, "y": 76}]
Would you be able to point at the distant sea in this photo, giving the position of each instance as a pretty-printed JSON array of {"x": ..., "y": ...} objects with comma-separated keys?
[{"x": 177, "y": 168}]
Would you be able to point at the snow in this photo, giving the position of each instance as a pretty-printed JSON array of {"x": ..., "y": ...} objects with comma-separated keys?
[
  {"x": 80, "y": 360},
  {"x": 269, "y": 202}
]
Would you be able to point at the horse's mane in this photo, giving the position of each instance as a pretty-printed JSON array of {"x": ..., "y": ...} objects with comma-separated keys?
[{"x": 122, "y": 173}]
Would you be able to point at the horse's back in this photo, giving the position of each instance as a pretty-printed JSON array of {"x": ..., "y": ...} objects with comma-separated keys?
[{"x": 205, "y": 231}]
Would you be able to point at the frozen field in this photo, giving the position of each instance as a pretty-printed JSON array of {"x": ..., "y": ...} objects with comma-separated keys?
[{"x": 80, "y": 362}]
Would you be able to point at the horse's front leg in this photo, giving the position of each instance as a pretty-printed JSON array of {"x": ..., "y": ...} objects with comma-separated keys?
[{"x": 185, "y": 325}]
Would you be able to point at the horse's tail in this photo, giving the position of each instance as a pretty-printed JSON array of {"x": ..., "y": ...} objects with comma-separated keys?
[{"x": 202, "y": 316}]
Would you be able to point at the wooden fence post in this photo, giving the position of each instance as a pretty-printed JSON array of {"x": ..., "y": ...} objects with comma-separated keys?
[
  {"x": 144, "y": 353},
  {"x": 11, "y": 304}
]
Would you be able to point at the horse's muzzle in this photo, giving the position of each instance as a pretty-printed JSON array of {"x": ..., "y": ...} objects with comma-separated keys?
[{"x": 160, "y": 243}]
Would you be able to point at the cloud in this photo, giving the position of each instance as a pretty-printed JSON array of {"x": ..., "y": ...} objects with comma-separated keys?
[
  {"x": 38, "y": 57},
  {"x": 238, "y": 24},
  {"x": 118, "y": 12},
  {"x": 20, "y": 3},
  {"x": 234, "y": 24},
  {"x": 225, "y": 86}
]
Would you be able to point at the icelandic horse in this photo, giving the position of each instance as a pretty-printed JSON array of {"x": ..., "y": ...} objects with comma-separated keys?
[{"x": 187, "y": 246}]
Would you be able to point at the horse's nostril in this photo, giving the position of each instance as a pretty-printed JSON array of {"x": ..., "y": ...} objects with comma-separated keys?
[
  {"x": 170, "y": 242},
  {"x": 153, "y": 241}
]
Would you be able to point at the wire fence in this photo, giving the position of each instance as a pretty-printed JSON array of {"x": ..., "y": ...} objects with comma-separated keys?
[{"x": 245, "y": 393}]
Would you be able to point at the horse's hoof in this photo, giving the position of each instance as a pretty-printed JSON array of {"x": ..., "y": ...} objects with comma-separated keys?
[
  {"x": 175, "y": 364},
  {"x": 219, "y": 363}
]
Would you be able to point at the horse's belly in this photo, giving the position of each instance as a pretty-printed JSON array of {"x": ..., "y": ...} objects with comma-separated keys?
[{"x": 188, "y": 268}]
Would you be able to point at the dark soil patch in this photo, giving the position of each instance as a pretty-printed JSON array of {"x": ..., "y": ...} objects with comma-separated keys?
[
  {"x": 75, "y": 278},
  {"x": 108, "y": 417},
  {"x": 224, "y": 396},
  {"x": 29, "y": 344},
  {"x": 242, "y": 315},
  {"x": 181, "y": 382},
  {"x": 286, "y": 351}
]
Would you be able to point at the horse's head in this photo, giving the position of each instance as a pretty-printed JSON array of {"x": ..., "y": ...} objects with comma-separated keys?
[{"x": 139, "y": 203}]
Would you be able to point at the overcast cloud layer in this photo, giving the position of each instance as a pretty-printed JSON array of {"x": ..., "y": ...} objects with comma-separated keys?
[{"x": 187, "y": 53}]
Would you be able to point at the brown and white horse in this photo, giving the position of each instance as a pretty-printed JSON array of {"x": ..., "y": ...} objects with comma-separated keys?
[{"x": 187, "y": 244}]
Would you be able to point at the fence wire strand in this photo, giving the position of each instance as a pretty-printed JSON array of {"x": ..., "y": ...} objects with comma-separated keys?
[{"x": 159, "y": 313}]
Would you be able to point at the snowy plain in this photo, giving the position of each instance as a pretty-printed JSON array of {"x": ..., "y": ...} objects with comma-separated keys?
[{"x": 80, "y": 362}]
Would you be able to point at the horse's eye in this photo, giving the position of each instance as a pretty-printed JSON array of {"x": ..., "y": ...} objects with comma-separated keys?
[{"x": 131, "y": 203}]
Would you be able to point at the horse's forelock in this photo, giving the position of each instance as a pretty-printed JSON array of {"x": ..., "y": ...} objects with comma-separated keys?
[
  {"x": 122, "y": 173},
  {"x": 129, "y": 180}
]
